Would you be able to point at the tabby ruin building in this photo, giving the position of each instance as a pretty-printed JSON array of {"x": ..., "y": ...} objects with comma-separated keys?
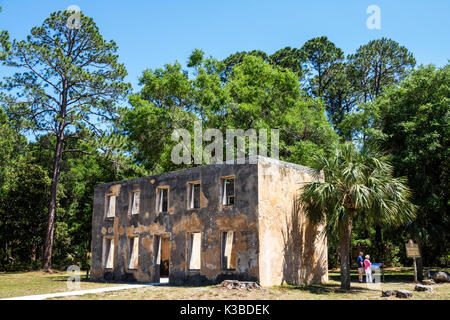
[{"x": 207, "y": 224}]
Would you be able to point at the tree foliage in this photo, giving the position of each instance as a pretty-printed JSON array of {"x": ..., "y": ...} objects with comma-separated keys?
[
  {"x": 321, "y": 57},
  {"x": 412, "y": 122},
  {"x": 379, "y": 64},
  {"x": 374, "y": 67},
  {"x": 355, "y": 182},
  {"x": 68, "y": 80},
  {"x": 289, "y": 58},
  {"x": 4, "y": 43},
  {"x": 23, "y": 213},
  {"x": 256, "y": 95}
]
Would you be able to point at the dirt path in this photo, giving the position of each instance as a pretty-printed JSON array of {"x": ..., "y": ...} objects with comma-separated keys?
[{"x": 81, "y": 292}]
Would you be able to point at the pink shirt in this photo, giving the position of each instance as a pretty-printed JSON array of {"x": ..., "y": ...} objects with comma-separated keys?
[{"x": 367, "y": 264}]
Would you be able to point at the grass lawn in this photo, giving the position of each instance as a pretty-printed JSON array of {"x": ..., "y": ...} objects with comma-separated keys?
[
  {"x": 329, "y": 291},
  {"x": 14, "y": 284},
  {"x": 395, "y": 279},
  {"x": 28, "y": 283}
]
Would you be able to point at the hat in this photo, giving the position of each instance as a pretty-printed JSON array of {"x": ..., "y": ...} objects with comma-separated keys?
[{"x": 367, "y": 256}]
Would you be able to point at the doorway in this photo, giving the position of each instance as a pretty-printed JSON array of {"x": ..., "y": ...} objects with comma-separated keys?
[{"x": 162, "y": 263}]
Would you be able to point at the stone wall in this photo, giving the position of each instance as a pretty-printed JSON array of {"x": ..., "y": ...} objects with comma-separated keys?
[
  {"x": 291, "y": 249},
  {"x": 272, "y": 240},
  {"x": 211, "y": 219}
]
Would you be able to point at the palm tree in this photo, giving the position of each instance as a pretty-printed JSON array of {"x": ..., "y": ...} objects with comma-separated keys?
[{"x": 355, "y": 182}]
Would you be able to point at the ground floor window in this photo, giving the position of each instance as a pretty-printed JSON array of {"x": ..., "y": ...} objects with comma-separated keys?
[
  {"x": 133, "y": 253},
  {"x": 228, "y": 251},
  {"x": 108, "y": 253},
  {"x": 194, "y": 251}
]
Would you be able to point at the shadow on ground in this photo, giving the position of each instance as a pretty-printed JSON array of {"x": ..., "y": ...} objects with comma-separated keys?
[
  {"x": 405, "y": 276},
  {"x": 323, "y": 288}
]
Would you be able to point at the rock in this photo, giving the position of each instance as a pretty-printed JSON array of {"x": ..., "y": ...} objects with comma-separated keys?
[
  {"x": 387, "y": 293},
  {"x": 235, "y": 284},
  {"x": 429, "y": 274},
  {"x": 428, "y": 281},
  {"x": 441, "y": 276},
  {"x": 421, "y": 287},
  {"x": 403, "y": 294},
  {"x": 438, "y": 276}
]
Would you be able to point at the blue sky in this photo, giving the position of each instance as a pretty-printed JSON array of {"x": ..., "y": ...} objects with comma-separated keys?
[{"x": 151, "y": 33}]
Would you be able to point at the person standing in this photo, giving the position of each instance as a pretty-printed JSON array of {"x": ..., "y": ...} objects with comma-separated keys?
[
  {"x": 368, "y": 269},
  {"x": 360, "y": 264}
]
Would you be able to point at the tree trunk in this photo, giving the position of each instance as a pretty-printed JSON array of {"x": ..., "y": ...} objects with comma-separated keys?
[
  {"x": 419, "y": 261},
  {"x": 48, "y": 246},
  {"x": 379, "y": 243},
  {"x": 344, "y": 248}
]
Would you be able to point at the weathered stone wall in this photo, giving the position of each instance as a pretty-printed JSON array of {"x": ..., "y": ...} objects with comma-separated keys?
[
  {"x": 211, "y": 220},
  {"x": 291, "y": 249},
  {"x": 273, "y": 241}
]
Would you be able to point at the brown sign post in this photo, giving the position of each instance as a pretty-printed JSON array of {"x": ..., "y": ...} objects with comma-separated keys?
[{"x": 412, "y": 251}]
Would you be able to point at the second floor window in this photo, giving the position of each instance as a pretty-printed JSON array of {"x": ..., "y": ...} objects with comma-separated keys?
[
  {"x": 135, "y": 198},
  {"x": 194, "y": 195},
  {"x": 110, "y": 206},
  {"x": 163, "y": 199},
  {"x": 228, "y": 191}
]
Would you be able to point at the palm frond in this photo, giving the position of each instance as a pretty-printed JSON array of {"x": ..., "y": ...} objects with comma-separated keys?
[{"x": 357, "y": 181}]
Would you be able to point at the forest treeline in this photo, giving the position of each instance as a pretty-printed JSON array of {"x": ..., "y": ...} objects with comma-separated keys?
[{"x": 69, "y": 121}]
